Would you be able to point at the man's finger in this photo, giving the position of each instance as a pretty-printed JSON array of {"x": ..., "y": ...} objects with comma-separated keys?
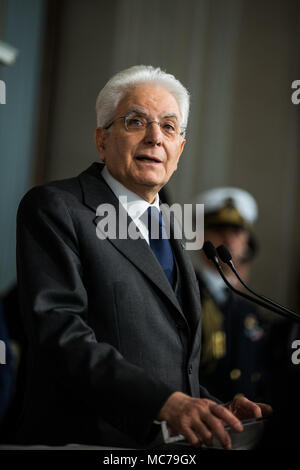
[
  {"x": 245, "y": 409},
  {"x": 266, "y": 410},
  {"x": 227, "y": 416},
  {"x": 257, "y": 411},
  {"x": 217, "y": 428},
  {"x": 203, "y": 432},
  {"x": 191, "y": 436}
]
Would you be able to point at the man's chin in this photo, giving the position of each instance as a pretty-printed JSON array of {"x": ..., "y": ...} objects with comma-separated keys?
[
  {"x": 152, "y": 184},
  {"x": 151, "y": 181}
]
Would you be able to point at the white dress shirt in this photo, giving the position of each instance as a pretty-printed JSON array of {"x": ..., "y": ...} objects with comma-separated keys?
[{"x": 134, "y": 205}]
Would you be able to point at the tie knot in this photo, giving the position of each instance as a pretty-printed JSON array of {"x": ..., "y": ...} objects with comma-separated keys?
[{"x": 153, "y": 213}]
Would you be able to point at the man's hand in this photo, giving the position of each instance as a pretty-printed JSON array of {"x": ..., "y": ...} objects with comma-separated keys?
[
  {"x": 243, "y": 408},
  {"x": 199, "y": 420}
]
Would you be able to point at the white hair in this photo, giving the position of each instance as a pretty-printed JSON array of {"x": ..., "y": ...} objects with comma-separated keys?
[{"x": 117, "y": 87}]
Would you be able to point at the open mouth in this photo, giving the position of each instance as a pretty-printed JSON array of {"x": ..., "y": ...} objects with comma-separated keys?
[{"x": 145, "y": 158}]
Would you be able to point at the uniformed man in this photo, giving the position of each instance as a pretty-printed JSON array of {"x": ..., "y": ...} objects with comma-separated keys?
[{"x": 233, "y": 332}]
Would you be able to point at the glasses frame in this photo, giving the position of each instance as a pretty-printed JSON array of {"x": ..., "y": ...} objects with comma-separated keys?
[{"x": 149, "y": 121}]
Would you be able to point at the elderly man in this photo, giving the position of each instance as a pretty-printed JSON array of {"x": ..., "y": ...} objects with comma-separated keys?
[{"x": 114, "y": 322}]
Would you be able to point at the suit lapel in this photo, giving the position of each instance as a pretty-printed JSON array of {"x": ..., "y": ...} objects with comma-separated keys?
[
  {"x": 189, "y": 280},
  {"x": 96, "y": 192}
]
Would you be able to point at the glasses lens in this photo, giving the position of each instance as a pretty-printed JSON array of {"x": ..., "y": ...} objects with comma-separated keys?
[
  {"x": 169, "y": 127},
  {"x": 134, "y": 122}
]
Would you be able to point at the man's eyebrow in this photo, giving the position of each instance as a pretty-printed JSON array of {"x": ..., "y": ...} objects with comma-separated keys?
[
  {"x": 137, "y": 110},
  {"x": 171, "y": 116},
  {"x": 141, "y": 111}
]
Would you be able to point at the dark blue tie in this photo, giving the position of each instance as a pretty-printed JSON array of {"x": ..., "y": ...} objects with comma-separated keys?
[{"x": 159, "y": 242}]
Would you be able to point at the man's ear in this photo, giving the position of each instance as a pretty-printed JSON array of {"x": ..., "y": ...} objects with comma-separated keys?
[
  {"x": 181, "y": 147},
  {"x": 100, "y": 141}
]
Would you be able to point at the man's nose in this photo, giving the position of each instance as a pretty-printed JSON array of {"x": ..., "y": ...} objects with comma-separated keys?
[{"x": 153, "y": 133}]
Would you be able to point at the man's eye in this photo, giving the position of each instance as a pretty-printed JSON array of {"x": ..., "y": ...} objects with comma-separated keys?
[
  {"x": 169, "y": 127},
  {"x": 135, "y": 122}
]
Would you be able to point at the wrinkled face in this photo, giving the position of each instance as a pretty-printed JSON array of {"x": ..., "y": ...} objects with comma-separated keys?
[{"x": 143, "y": 161}]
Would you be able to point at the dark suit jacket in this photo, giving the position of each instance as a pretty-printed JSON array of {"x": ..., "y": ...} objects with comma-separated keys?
[{"x": 109, "y": 341}]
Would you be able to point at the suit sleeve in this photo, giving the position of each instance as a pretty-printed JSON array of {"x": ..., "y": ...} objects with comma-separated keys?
[
  {"x": 204, "y": 393},
  {"x": 54, "y": 302}
]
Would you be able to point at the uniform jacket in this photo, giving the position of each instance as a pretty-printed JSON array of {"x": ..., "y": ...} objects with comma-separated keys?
[
  {"x": 234, "y": 347},
  {"x": 109, "y": 340}
]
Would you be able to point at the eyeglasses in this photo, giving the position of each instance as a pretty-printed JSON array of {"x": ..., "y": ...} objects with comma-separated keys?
[{"x": 134, "y": 122}]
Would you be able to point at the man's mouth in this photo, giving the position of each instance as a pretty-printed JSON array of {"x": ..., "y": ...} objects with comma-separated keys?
[{"x": 146, "y": 158}]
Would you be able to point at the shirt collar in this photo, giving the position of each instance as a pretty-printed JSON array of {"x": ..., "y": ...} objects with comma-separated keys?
[{"x": 134, "y": 205}]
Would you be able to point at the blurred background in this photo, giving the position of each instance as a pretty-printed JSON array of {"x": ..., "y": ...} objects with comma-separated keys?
[{"x": 238, "y": 59}]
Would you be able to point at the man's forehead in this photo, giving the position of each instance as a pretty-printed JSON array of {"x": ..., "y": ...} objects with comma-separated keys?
[
  {"x": 144, "y": 112},
  {"x": 148, "y": 98}
]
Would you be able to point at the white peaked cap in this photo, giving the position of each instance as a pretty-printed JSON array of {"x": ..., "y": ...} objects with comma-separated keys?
[{"x": 215, "y": 199}]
